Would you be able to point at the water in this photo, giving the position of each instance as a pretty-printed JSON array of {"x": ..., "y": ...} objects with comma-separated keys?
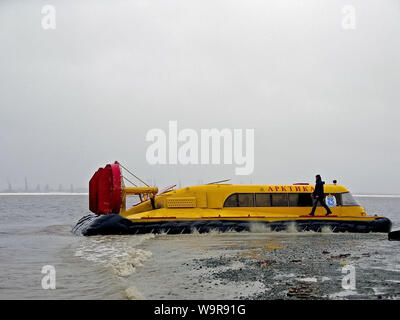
[{"x": 35, "y": 230}]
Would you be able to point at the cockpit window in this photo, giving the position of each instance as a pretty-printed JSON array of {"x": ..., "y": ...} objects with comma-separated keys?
[
  {"x": 348, "y": 200},
  {"x": 232, "y": 201}
]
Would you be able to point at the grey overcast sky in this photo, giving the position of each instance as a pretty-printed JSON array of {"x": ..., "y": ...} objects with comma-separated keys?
[{"x": 321, "y": 99}]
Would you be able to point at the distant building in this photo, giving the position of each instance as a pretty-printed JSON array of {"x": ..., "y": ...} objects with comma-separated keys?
[{"x": 9, "y": 189}]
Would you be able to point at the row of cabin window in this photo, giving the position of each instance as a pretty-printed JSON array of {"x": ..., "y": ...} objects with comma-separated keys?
[{"x": 273, "y": 200}]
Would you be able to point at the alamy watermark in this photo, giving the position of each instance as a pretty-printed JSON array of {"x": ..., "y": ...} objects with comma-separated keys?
[
  {"x": 187, "y": 146},
  {"x": 349, "y": 17},
  {"x": 49, "y": 279},
  {"x": 349, "y": 280},
  {"x": 48, "y": 20}
]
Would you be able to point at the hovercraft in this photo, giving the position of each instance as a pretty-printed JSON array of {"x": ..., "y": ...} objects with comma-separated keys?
[{"x": 217, "y": 206}]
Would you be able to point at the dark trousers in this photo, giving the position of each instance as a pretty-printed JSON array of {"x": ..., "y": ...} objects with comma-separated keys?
[{"x": 321, "y": 200}]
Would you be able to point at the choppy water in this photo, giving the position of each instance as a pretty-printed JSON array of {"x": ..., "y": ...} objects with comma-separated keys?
[{"x": 35, "y": 230}]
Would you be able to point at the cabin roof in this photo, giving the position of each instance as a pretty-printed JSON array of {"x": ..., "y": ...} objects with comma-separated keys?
[{"x": 292, "y": 188}]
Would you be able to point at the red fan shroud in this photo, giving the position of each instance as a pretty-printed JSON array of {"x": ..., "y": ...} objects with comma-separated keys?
[{"x": 105, "y": 190}]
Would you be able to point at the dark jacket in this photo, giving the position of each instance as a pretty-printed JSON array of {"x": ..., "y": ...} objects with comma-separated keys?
[{"x": 319, "y": 189}]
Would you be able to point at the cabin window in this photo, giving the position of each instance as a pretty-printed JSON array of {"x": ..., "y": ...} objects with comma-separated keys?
[
  {"x": 293, "y": 199},
  {"x": 263, "y": 199},
  {"x": 305, "y": 200},
  {"x": 279, "y": 199},
  {"x": 348, "y": 200},
  {"x": 231, "y": 201},
  {"x": 246, "y": 199},
  {"x": 300, "y": 200}
]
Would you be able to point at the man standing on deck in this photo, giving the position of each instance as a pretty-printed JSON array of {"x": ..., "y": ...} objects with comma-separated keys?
[{"x": 319, "y": 196}]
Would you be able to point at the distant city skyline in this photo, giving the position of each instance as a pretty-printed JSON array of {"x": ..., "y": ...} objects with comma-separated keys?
[{"x": 41, "y": 188}]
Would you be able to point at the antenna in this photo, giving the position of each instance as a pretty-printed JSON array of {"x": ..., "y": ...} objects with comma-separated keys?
[
  {"x": 220, "y": 181},
  {"x": 132, "y": 175}
]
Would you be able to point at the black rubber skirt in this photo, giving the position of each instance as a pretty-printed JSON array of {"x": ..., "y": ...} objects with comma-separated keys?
[{"x": 115, "y": 224}]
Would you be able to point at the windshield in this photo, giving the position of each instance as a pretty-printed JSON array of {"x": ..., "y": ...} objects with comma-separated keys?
[{"x": 348, "y": 200}]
